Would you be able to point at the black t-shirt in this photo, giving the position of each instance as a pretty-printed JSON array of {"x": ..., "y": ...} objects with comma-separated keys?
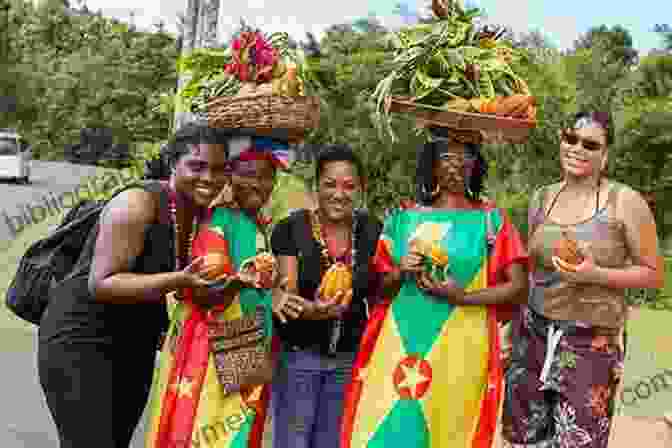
[
  {"x": 292, "y": 237},
  {"x": 73, "y": 315}
]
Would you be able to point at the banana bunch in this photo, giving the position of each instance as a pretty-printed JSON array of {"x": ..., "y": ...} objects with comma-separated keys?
[{"x": 337, "y": 279}]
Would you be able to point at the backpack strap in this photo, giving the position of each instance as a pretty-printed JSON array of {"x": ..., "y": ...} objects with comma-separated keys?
[{"x": 162, "y": 188}]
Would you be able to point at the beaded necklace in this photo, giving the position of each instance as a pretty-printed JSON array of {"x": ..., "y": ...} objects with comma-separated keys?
[
  {"x": 182, "y": 261},
  {"x": 326, "y": 260}
]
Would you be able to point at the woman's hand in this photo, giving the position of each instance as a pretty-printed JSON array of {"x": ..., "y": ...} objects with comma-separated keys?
[
  {"x": 326, "y": 308},
  {"x": 586, "y": 272},
  {"x": 413, "y": 262},
  {"x": 449, "y": 289},
  {"x": 195, "y": 275},
  {"x": 286, "y": 305}
]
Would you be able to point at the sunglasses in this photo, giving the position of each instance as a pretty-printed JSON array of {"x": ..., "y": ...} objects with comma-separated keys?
[{"x": 573, "y": 139}]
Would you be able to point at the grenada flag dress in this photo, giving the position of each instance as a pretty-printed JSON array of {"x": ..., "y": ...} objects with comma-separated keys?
[
  {"x": 188, "y": 407},
  {"x": 428, "y": 374}
]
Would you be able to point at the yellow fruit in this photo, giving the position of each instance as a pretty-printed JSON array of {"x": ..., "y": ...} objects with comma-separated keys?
[
  {"x": 438, "y": 256},
  {"x": 337, "y": 279}
]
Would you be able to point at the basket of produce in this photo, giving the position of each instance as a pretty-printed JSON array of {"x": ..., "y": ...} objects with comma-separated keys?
[
  {"x": 451, "y": 73},
  {"x": 257, "y": 83}
]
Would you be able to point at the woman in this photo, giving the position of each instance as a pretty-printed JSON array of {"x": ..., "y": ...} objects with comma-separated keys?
[
  {"x": 318, "y": 348},
  {"x": 190, "y": 406},
  {"x": 567, "y": 353},
  {"x": 428, "y": 373},
  {"x": 98, "y": 337}
]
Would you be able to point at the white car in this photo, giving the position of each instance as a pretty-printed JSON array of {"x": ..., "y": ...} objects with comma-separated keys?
[{"x": 15, "y": 156}]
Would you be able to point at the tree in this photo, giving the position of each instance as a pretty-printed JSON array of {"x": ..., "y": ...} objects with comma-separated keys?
[
  {"x": 615, "y": 41},
  {"x": 665, "y": 32},
  {"x": 71, "y": 69}
]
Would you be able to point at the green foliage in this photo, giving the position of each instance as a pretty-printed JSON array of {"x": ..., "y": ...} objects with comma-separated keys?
[{"x": 71, "y": 70}]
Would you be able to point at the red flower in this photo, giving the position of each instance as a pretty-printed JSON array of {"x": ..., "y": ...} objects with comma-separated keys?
[{"x": 253, "y": 58}]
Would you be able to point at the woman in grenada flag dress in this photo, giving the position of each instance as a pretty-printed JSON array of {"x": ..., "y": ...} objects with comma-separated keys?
[
  {"x": 428, "y": 374},
  {"x": 189, "y": 407}
]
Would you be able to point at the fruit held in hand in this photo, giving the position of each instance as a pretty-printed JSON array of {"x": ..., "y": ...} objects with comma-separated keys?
[
  {"x": 337, "y": 279},
  {"x": 567, "y": 249},
  {"x": 261, "y": 267},
  {"x": 219, "y": 262}
]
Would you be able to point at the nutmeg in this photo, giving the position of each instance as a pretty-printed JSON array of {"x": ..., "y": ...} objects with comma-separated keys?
[{"x": 567, "y": 249}]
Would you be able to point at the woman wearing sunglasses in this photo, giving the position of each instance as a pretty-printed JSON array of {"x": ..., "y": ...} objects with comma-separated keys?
[{"x": 590, "y": 239}]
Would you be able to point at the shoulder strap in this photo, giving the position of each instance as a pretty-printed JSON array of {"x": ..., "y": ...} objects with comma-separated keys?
[
  {"x": 541, "y": 196},
  {"x": 161, "y": 187},
  {"x": 612, "y": 200}
]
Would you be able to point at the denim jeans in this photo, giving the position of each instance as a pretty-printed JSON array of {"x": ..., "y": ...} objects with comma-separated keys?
[{"x": 308, "y": 393}]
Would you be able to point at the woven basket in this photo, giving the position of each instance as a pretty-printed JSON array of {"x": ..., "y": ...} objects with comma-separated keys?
[
  {"x": 492, "y": 128},
  {"x": 256, "y": 107}
]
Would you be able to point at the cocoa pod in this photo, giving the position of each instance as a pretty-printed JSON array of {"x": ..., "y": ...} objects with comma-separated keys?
[
  {"x": 567, "y": 249},
  {"x": 338, "y": 278}
]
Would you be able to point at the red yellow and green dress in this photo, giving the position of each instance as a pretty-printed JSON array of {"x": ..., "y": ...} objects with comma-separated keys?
[
  {"x": 428, "y": 374},
  {"x": 188, "y": 407}
]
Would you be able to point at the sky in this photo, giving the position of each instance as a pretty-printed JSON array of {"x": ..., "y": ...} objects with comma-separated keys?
[{"x": 562, "y": 21}]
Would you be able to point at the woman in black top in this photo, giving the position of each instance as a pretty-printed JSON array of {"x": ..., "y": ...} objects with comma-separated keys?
[
  {"x": 319, "y": 346},
  {"x": 99, "y": 335}
]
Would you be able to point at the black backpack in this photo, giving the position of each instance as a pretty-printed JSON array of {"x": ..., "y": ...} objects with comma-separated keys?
[{"x": 51, "y": 259}]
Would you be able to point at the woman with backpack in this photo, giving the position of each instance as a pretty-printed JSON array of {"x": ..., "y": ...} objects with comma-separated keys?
[
  {"x": 428, "y": 373},
  {"x": 99, "y": 333},
  {"x": 319, "y": 343}
]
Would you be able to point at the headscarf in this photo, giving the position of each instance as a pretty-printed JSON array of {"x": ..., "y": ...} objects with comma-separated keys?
[{"x": 246, "y": 148}]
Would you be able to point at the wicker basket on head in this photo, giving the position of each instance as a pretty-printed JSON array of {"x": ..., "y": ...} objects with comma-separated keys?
[{"x": 258, "y": 108}]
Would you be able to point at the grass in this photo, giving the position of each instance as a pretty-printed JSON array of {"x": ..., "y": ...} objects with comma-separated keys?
[{"x": 649, "y": 353}]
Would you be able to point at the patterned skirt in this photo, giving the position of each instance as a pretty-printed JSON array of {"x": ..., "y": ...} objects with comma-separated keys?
[{"x": 561, "y": 383}]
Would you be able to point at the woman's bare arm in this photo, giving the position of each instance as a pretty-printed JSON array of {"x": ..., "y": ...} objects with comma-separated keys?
[
  {"x": 120, "y": 241},
  {"x": 647, "y": 269}
]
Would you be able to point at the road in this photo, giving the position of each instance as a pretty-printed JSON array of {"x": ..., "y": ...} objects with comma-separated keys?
[
  {"x": 24, "y": 419},
  {"x": 49, "y": 179}
]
